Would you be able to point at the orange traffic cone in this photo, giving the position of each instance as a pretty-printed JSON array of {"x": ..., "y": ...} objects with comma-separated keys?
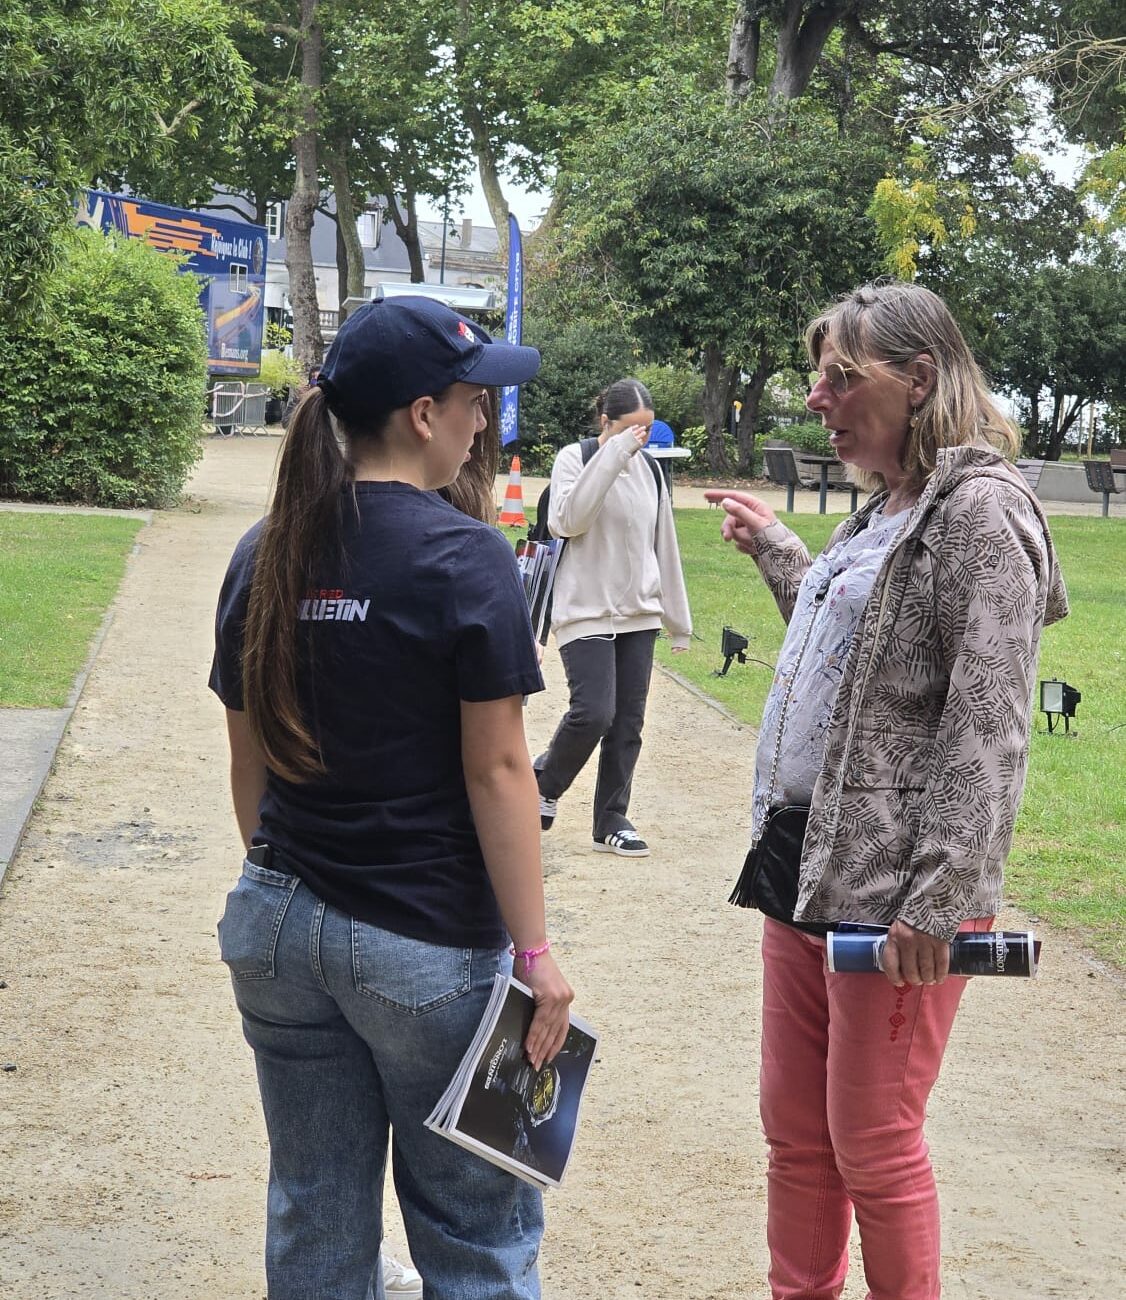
[{"x": 512, "y": 513}]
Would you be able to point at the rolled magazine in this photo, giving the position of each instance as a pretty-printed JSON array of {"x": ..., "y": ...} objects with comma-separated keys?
[
  {"x": 537, "y": 562},
  {"x": 500, "y": 1108},
  {"x": 992, "y": 952}
]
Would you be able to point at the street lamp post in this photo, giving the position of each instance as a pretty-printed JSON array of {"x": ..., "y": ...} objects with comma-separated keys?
[{"x": 445, "y": 227}]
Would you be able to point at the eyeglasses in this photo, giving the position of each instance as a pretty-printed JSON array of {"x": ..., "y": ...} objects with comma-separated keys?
[{"x": 836, "y": 375}]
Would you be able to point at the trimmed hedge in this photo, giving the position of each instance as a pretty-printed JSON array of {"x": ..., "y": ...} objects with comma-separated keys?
[
  {"x": 103, "y": 392},
  {"x": 677, "y": 392},
  {"x": 809, "y": 435}
]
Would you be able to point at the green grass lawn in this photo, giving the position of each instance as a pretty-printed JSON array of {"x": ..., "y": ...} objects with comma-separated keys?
[
  {"x": 1068, "y": 863},
  {"x": 58, "y": 572}
]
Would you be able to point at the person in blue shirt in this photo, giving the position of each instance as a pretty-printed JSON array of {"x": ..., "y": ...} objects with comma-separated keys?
[
  {"x": 373, "y": 650},
  {"x": 661, "y": 435}
]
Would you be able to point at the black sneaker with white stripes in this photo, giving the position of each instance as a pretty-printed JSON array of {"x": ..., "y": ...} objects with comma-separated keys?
[
  {"x": 626, "y": 843},
  {"x": 548, "y": 809}
]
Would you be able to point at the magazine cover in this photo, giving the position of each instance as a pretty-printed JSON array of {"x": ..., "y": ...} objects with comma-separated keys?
[
  {"x": 498, "y": 1106},
  {"x": 993, "y": 952},
  {"x": 537, "y": 562}
]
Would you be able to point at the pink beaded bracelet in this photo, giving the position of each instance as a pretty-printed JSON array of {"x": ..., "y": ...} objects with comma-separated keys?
[{"x": 529, "y": 955}]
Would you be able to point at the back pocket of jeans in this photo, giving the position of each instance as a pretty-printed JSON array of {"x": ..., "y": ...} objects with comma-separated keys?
[
  {"x": 252, "y": 920},
  {"x": 408, "y": 974}
]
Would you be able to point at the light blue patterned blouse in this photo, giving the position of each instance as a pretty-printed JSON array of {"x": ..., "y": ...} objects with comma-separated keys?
[{"x": 831, "y": 602}]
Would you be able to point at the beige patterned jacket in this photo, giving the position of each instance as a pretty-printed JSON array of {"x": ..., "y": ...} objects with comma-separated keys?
[{"x": 927, "y": 747}]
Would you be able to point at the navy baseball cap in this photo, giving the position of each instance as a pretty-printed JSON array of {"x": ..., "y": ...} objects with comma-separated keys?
[{"x": 393, "y": 350}]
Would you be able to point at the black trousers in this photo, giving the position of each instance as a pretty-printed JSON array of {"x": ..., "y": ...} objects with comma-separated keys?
[{"x": 608, "y": 678}]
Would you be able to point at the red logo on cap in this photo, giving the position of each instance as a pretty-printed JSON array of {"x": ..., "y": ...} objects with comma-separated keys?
[{"x": 464, "y": 330}]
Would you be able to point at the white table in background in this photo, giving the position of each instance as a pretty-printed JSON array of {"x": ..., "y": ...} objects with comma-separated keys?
[{"x": 670, "y": 454}]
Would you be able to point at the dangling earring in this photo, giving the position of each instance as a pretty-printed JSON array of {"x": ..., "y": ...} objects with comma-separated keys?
[{"x": 914, "y": 418}]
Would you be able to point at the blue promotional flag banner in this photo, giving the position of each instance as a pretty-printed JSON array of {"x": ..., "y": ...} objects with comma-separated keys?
[{"x": 513, "y": 316}]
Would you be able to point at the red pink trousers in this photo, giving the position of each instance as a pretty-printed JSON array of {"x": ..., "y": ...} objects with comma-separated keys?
[{"x": 848, "y": 1063}]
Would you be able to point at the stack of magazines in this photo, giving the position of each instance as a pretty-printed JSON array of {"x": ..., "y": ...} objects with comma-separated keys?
[
  {"x": 994, "y": 952},
  {"x": 497, "y": 1105},
  {"x": 537, "y": 563}
]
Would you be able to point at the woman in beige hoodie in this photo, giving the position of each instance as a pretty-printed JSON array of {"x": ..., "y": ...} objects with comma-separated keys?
[{"x": 619, "y": 581}]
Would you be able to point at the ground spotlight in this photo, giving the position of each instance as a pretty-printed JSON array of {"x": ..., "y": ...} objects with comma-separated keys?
[
  {"x": 1058, "y": 700},
  {"x": 733, "y": 646}
]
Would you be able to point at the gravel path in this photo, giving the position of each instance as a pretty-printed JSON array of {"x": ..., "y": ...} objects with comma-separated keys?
[{"x": 132, "y": 1159}]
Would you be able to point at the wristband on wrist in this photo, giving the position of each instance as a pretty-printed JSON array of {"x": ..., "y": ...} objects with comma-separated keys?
[{"x": 529, "y": 955}]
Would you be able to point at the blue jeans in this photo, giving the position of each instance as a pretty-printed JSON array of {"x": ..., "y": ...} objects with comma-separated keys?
[{"x": 356, "y": 1032}]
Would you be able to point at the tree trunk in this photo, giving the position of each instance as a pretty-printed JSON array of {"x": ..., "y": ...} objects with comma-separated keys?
[
  {"x": 742, "y": 53},
  {"x": 542, "y": 233},
  {"x": 1032, "y": 438},
  {"x": 407, "y": 230},
  {"x": 719, "y": 391},
  {"x": 1065, "y": 418},
  {"x": 1055, "y": 433},
  {"x": 349, "y": 249},
  {"x": 341, "y": 270},
  {"x": 308, "y": 342},
  {"x": 801, "y": 38},
  {"x": 748, "y": 417},
  {"x": 490, "y": 177},
  {"x": 483, "y": 147}
]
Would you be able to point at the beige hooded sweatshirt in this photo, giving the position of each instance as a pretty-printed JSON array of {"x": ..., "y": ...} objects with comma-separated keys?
[{"x": 620, "y": 571}]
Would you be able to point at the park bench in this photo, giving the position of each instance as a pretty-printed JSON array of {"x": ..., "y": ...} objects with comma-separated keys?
[
  {"x": 782, "y": 468},
  {"x": 1100, "y": 478},
  {"x": 1030, "y": 471},
  {"x": 839, "y": 480},
  {"x": 1118, "y": 460}
]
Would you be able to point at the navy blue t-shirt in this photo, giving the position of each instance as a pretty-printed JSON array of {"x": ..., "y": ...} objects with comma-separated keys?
[{"x": 427, "y": 610}]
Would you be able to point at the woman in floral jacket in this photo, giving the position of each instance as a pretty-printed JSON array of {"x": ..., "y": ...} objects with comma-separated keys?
[{"x": 899, "y": 714}]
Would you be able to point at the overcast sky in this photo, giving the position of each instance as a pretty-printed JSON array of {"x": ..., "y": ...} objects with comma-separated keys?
[
  {"x": 526, "y": 205},
  {"x": 529, "y": 205}
]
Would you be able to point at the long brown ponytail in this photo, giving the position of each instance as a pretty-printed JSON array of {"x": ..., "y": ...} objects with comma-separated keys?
[{"x": 302, "y": 531}]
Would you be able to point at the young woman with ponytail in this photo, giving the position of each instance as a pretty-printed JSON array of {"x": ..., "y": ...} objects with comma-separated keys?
[
  {"x": 373, "y": 650},
  {"x": 619, "y": 580}
]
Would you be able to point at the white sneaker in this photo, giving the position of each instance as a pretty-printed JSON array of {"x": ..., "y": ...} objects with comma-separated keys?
[{"x": 399, "y": 1279}]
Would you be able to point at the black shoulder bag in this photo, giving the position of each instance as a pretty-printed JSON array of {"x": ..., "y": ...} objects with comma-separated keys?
[{"x": 769, "y": 879}]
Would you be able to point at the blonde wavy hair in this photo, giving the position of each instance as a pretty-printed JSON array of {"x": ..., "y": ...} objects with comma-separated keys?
[{"x": 895, "y": 322}]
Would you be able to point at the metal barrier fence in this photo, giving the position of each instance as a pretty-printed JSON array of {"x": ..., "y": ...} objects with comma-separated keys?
[{"x": 238, "y": 408}]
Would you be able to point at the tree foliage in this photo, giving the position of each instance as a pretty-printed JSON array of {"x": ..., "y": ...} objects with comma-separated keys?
[
  {"x": 1061, "y": 344},
  {"x": 102, "y": 89},
  {"x": 397, "y": 134},
  {"x": 677, "y": 391},
  {"x": 945, "y": 41},
  {"x": 103, "y": 393},
  {"x": 722, "y": 228},
  {"x": 579, "y": 360},
  {"x": 536, "y": 81}
]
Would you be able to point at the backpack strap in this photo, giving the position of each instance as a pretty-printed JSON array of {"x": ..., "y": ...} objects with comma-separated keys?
[
  {"x": 658, "y": 477},
  {"x": 539, "y": 531}
]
